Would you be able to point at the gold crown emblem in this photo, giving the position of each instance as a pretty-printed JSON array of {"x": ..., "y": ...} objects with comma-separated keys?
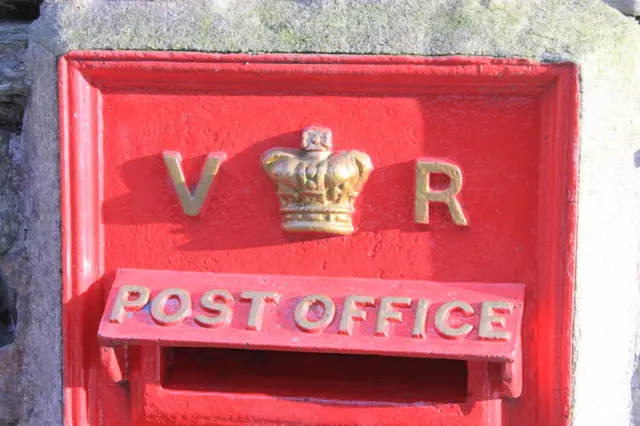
[{"x": 317, "y": 187}]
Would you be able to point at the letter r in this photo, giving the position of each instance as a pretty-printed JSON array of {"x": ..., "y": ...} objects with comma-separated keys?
[{"x": 425, "y": 195}]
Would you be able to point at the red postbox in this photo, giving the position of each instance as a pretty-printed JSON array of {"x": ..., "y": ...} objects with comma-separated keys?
[{"x": 316, "y": 239}]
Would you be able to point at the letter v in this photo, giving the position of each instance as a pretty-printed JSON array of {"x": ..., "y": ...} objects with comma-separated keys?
[{"x": 192, "y": 203}]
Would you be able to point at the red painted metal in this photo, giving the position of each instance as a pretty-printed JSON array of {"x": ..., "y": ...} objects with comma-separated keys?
[
  {"x": 279, "y": 331},
  {"x": 509, "y": 124}
]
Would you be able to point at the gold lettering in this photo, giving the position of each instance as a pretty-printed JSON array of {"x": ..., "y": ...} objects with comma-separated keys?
[
  {"x": 419, "y": 325},
  {"x": 426, "y": 195},
  {"x": 488, "y": 320},
  {"x": 442, "y": 319},
  {"x": 158, "y": 306},
  {"x": 351, "y": 312},
  {"x": 386, "y": 314},
  {"x": 301, "y": 313},
  {"x": 192, "y": 203},
  {"x": 124, "y": 304},
  {"x": 256, "y": 311},
  {"x": 215, "y": 301}
]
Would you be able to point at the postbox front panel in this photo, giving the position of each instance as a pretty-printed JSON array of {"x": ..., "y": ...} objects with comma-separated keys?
[{"x": 131, "y": 117}]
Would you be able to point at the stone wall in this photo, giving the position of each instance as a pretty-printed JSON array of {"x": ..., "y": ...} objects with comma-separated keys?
[
  {"x": 15, "y": 17},
  {"x": 14, "y": 89},
  {"x": 30, "y": 377}
]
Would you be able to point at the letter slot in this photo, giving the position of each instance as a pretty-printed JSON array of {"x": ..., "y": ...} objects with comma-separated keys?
[{"x": 221, "y": 345}]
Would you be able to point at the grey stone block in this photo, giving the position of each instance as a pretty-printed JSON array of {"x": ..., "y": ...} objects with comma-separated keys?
[
  {"x": 39, "y": 283},
  {"x": 587, "y": 32},
  {"x": 549, "y": 30}
]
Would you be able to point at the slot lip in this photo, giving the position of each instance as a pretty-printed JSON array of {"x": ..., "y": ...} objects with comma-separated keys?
[{"x": 281, "y": 333}]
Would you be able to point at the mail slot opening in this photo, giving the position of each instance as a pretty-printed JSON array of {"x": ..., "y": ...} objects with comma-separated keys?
[{"x": 316, "y": 376}]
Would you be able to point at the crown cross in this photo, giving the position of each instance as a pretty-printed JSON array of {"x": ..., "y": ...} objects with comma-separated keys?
[{"x": 317, "y": 188}]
